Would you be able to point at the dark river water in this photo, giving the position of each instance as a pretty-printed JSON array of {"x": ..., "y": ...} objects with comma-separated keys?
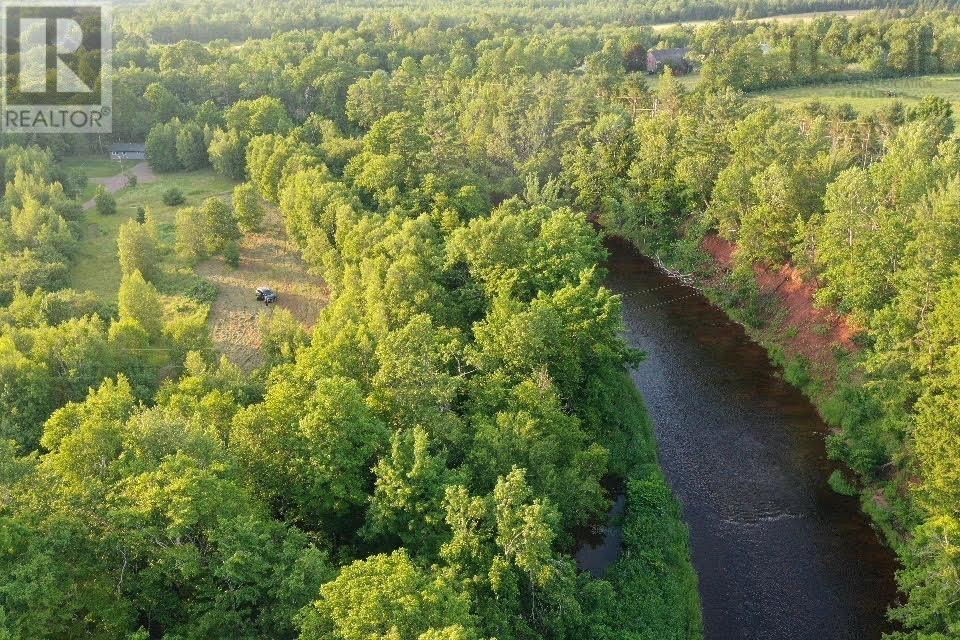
[{"x": 779, "y": 555}]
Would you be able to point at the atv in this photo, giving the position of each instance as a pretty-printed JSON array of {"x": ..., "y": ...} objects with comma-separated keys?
[{"x": 266, "y": 295}]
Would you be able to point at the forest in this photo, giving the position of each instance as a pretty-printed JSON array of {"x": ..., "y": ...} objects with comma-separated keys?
[
  {"x": 422, "y": 461},
  {"x": 172, "y": 22}
]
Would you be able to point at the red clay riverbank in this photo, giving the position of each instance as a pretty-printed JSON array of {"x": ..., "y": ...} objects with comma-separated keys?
[{"x": 807, "y": 330}]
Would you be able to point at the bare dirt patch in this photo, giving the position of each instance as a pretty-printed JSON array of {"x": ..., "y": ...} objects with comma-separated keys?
[
  {"x": 266, "y": 259},
  {"x": 721, "y": 250},
  {"x": 808, "y": 331}
]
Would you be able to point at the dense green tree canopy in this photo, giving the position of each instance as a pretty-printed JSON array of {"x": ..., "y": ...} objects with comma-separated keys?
[{"x": 419, "y": 463}]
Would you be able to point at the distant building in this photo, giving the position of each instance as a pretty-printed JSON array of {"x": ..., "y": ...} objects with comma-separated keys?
[
  {"x": 676, "y": 59},
  {"x": 128, "y": 152}
]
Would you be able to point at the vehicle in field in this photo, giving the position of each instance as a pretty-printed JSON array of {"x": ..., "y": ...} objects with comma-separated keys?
[{"x": 266, "y": 295}]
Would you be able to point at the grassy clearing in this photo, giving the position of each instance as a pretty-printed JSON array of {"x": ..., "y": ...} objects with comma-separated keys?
[
  {"x": 94, "y": 165},
  {"x": 868, "y": 95},
  {"x": 266, "y": 259},
  {"x": 688, "y": 81},
  {"x": 96, "y": 267}
]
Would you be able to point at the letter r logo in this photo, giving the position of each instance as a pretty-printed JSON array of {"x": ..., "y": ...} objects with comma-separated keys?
[
  {"x": 56, "y": 62},
  {"x": 33, "y": 55}
]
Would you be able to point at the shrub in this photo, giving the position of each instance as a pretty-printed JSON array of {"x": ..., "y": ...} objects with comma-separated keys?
[
  {"x": 797, "y": 373},
  {"x": 105, "y": 203},
  {"x": 231, "y": 253},
  {"x": 281, "y": 337},
  {"x": 173, "y": 196},
  {"x": 840, "y": 484},
  {"x": 75, "y": 182},
  {"x": 202, "y": 291},
  {"x": 188, "y": 333}
]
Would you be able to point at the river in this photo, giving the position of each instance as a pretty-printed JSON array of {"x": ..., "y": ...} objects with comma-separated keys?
[{"x": 779, "y": 555}]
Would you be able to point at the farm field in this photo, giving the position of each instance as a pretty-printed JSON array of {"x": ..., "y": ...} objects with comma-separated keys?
[
  {"x": 867, "y": 95},
  {"x": 787, "y": 17},
  {"x": 862, "y": 95}
]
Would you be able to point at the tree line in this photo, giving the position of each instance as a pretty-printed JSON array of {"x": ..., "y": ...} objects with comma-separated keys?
[
  {"x": 754, "y": 56},
  {"x": 209, "y": 21}
]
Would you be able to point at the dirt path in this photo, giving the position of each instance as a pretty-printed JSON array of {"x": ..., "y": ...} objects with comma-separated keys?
[
  {"x": 266, "y": 259},
  {"x": 142, "y": 170}
]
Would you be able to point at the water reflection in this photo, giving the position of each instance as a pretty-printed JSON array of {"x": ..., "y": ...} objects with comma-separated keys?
[{"x": 779, "y": 555}]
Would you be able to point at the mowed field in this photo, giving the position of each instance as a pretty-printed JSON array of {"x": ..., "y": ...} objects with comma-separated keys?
[
  {"x": 863, "y": 95},
  {"x": 96, "y": 167},
  {"x": 266, "y": 259},
  {"x": 96, "y": 267},
  {"x": 868, "y": 95}
]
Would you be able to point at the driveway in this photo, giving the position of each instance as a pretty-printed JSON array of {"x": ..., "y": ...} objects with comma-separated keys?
[{"x": 142, "y": 170}]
